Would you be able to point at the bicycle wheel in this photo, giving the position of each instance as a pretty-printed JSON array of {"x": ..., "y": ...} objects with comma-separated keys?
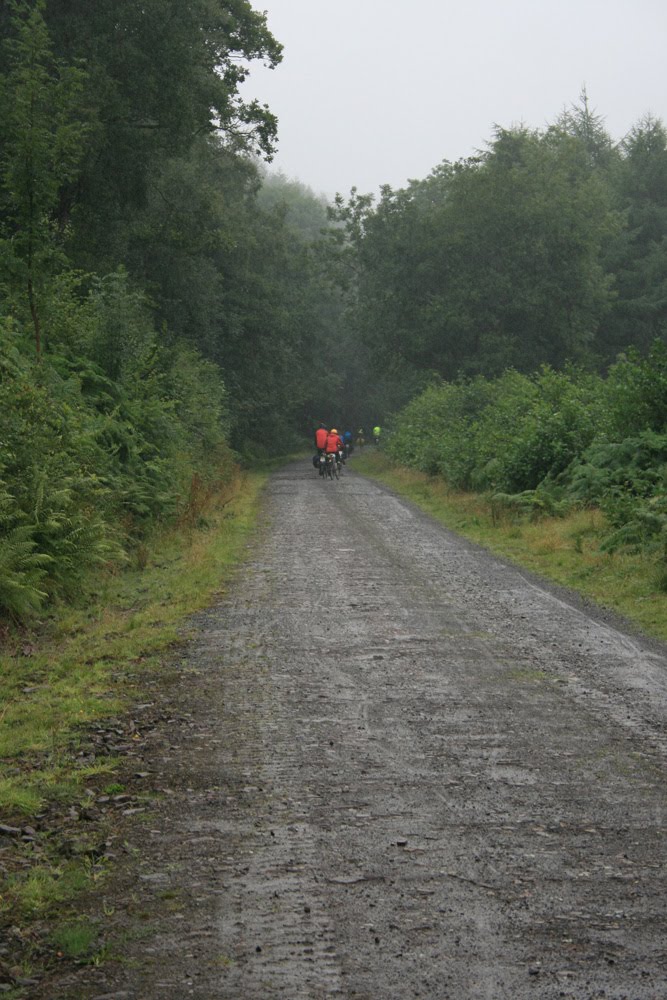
[{"x": 336, "y": 468}]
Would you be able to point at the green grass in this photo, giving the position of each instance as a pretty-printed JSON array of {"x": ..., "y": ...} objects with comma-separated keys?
[
  {"x": 87, "y": 663},
  {"x": 76, "y": 939},
  {"x": 44, "y": 890},
  {"x": 565, "y": 550}
]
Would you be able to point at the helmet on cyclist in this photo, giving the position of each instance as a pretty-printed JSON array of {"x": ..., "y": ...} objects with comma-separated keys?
[{"x": 333, "y": 431}]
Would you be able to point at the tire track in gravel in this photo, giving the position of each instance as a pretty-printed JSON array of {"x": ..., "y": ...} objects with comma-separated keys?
[{"x": 438, "y": 778}]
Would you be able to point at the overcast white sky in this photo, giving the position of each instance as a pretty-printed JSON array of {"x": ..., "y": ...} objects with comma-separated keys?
[{"x": 379, "y": 91}]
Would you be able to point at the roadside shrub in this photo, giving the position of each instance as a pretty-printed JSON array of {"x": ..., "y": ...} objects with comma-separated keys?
[
  {"x": 550, "y": 426},
  {"x": 50, "y": 473},
  {"x": 530, "y": 504},
  {"x": 419, "y": 434},
  {"x": 507, "y": 434},
  {"x": 493, "y": 435},
  {"x": 636, "y": 392},
  {"x": 91, "y": 459},
  {"x": 619, "y": 471},
  {"x": 643, "y": 527},
  {"x": 432, "y": 433},
  {"x": 22, "y": 568},
  {"x": 543, "y": 443}
]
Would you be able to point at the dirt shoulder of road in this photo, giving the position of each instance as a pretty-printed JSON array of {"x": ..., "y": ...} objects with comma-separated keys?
[{"x": 127, "y": 838}]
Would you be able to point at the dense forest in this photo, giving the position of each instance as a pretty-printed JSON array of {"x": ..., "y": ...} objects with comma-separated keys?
[
  {"x": 160, "y": 303},
  {"x": 549, "y": 247},
  {"x": 513, "y": 307},
  {"x": 168, "y": 302}
]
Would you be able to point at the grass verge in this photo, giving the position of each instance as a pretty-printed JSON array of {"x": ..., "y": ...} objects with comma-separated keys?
[
  {"x": 59, "y": 682},
  {"x": 565, "y": 550}
]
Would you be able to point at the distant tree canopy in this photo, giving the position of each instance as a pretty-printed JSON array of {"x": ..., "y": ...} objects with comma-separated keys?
[{"x": 549, "y": 247}]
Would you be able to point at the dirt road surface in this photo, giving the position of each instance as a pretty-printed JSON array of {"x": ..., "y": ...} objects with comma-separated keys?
[{"x": 401, "y": 769}]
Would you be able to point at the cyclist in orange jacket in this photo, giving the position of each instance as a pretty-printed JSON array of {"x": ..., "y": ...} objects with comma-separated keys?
[
  {"x": 334, "y": 442},
  {"x": 334, "y": 446},
  {"x": 321, "y": 435}
]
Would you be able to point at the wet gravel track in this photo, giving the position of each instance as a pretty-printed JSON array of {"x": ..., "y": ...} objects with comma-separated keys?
[{"x": 435, "y": 777}]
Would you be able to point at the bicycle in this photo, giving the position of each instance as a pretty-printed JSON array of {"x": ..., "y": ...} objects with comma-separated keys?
[{"x": 333, "y": 465}]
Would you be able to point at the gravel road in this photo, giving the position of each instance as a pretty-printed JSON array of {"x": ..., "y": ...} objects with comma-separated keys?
[{"x": 421, "y": 773}]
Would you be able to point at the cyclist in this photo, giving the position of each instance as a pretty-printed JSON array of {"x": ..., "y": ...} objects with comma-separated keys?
[
  {"x": 360, "y": 438},
  {"x": 377, "y": 431},
  {"x": 347, "y": 443},
  {"x": 334, "y": 441},
  {"x": 334, "y": 445},
  {"x": 321, "y": 435}
]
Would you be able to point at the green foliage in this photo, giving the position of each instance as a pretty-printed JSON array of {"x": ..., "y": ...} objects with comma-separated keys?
[
  {"x": 530, "y": 504},
  {"x": 632, "y": 467},
  {"x": 551, "y": 423},
  {"x": 54, "y": 494},
  {"x": 122, "y": 339},
  {"x": 428, "y": 432},
  {"x": 162, "y": 76},
  {"x": 75, "y": 938},
  {"x": 489, "y": 263},
  {"x": 22, "y": 569},
  {"x": 171, "y": 310},
  {"x": 545, "y": 443},
  {"x": 303, "y": 210},
  {"x": 89, "y": 461},
  {"x": 43, "y": 137},
  {"x": 550, "y": 247},
  {"x": 502, "y": 434},
  {"x": 508, "y": 434},
  {"x": 637, "y": 258},
  {"x": 637, "y": 391},
  {"x": 182, "y": 301}
]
